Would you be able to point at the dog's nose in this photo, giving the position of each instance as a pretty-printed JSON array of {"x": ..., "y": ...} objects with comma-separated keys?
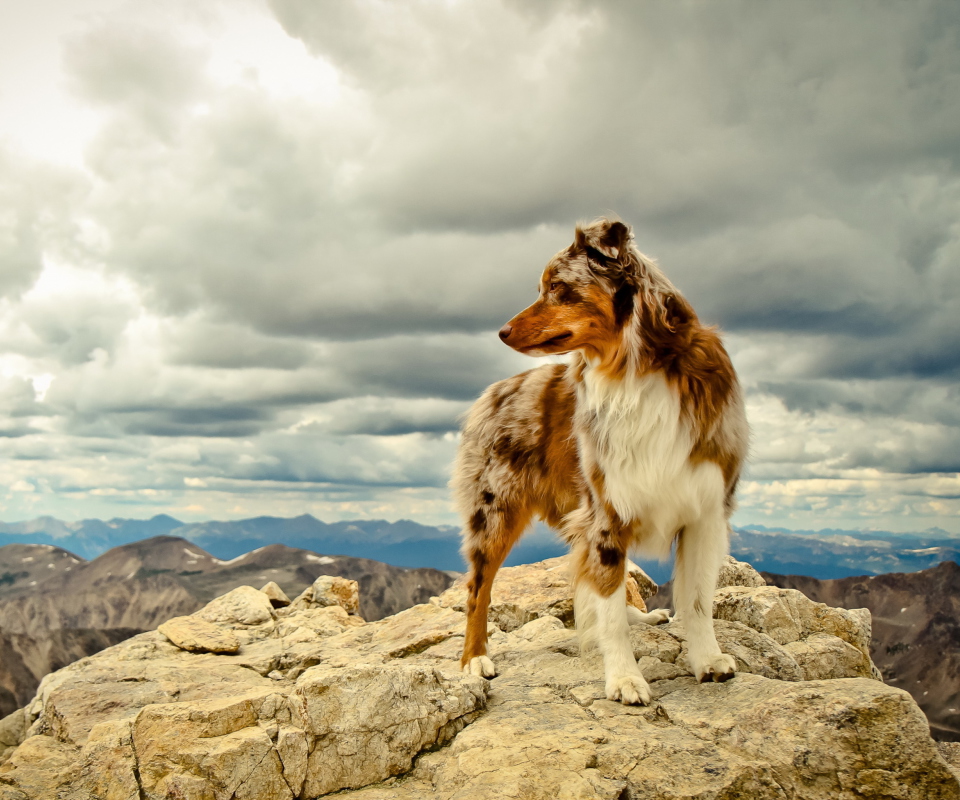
[{"x": 505, "y": 331}]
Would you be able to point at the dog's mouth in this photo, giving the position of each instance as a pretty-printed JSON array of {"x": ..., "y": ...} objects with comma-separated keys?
[{"x": 555, "y": 341}]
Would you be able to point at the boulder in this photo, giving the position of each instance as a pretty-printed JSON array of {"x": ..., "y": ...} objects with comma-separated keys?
[
  {"x": 276, "y": 595},
  {"x": 198, "y": 635},
  {"x": 330, "y": 590},
  {"x": 523, "y": 593},
  {"x": 244, "y": 605}
]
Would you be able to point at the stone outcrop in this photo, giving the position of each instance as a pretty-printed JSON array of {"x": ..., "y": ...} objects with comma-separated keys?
[
  {"x": 198, "y": 635},
  {"x": 317, "y": 701}
]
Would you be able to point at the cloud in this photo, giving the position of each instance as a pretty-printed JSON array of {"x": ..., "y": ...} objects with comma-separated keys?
[
  {"x": 280, "y": 271},
  {"x": 38, "y": 204}
]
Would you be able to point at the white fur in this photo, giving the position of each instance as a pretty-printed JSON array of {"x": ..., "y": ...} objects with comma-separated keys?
[
  {"x": 602, "y": 622},
  {"x": 634, "y": 430},
  {"x": 642, "y": 444}
]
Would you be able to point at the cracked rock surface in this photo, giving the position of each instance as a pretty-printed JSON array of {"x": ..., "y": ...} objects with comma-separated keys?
[{"x": 318, "y": 701}]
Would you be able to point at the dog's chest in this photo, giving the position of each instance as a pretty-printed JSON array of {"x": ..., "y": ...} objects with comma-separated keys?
[{"x": 638, "y": 438}]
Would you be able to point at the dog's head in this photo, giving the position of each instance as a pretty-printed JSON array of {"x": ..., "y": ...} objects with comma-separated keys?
[{"x": 591, "y": 293}]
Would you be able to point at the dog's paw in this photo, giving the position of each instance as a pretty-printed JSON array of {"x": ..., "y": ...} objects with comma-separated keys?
[
  {"x": 482, "y": 666},
  {"x": 631, "y": 690},
  {"x": 656, "y": 617},
  {"x": 718, "y": 668}
]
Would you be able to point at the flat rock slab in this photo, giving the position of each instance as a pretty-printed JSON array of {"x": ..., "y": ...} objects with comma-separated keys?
[{"x": 199, "y": 636}]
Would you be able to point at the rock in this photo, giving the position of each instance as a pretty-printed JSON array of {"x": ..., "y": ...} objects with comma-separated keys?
[
  {"x": 738, "y": 573},
  {"x": 13, "y": 730},
  {"x": 645, "y": 584},
  {"x": 276, "y": 595},
  {"x": 523, "y": 593},
  {"x": 821, "y": 656},
  {"x": 244, "y": 606},
  {"x": 106, "y": 767},
  {"x": 214, "y": 744},
  {"x": 633, "y": 594},
  {"x": 319, "y": 701},
  {"x": 367, "y": 723},
  {"x": 198, "y": 635},
  {"x": 329, "y": 590},
  {"x": 786, "y": 615}
]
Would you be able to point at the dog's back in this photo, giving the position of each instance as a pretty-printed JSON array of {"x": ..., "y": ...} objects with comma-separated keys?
[{"x": 517, "y": 458}]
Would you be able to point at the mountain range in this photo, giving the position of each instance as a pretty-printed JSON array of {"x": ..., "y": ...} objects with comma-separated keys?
[{"x": 822, "y": 554}]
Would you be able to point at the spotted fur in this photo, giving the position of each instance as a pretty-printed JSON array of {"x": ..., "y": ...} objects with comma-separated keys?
[{"x": 637, "y": 443}]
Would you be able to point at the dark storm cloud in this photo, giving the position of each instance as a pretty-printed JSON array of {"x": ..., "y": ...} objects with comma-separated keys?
[
  {"x": 216, "y": 421},
  {"x": 201, "y": 344},
  {"x": 381, "y": 416}
]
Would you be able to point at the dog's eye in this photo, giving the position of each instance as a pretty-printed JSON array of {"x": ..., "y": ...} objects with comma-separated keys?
[{"x": 554, "y": 286}]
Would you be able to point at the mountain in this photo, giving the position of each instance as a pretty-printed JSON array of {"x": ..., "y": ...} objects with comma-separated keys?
[
  {"x": 916, "y": 632},
  {"x": 402, "y": 543},
  {"x": 840, "y": 554},
  {"x": 86, "y": 538},
  {"x": 828, "y": 553},
  {"x": 56, "y": 607}
]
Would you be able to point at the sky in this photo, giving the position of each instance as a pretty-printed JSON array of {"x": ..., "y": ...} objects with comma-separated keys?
[{"x": 254, "y": 255}]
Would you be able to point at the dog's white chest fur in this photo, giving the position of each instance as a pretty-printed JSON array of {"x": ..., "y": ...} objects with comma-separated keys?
[{"x": 636, "y": 433}]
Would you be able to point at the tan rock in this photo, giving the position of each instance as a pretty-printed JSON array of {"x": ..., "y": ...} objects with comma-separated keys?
[
  {"x": 521, "y": 594},
  {"x": 198, "y": 635},
  {"x": 645, "y": 584},
  {"x": 13, "y": 730},
  {"x": 526, "y": 592},
  {"x": 107, "y": 768},
  {"x": 244, "y": 605},
  {"x": 786, "y": 615},
  {"x": 633, "y": 594},
  {"x": 738, "y": 573},
  {"x": 39, "y": 767},
  {"x": 331, "y": 590},
  {"x": 369, "y": 722},
  {"x": 216, "y": 744},
  {"x": 293, "y": 750},
  {"x": 276, "y": 595},
  {"x": 821, "y": 656},
  {"x": 820, "y": 739},
  {"x": 383, "y": 707}
]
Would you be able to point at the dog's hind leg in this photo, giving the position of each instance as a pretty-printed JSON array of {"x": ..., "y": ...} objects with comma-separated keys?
[
  {"x": 701, "y": 547},
  {"x": 491, "y": 534},
  {"x": 600, "y": 605}
]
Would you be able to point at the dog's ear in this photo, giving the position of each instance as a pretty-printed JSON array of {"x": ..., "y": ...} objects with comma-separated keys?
[{"x": 610, "y": 239}]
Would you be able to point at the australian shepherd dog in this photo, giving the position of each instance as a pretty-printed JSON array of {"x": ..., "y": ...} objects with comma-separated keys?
[{"x": 637, "y": 442}]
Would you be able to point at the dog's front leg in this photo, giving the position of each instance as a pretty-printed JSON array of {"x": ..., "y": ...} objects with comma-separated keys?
[
  {"x": 600, "y": 605},
  {"x": 700, "y": 551}
]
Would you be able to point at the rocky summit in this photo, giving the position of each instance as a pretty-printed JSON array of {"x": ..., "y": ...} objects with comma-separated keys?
[{"x": 313, "y": 700}]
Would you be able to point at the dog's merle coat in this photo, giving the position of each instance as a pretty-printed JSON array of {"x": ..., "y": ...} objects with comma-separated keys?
[{"x": 638, "y": 442}]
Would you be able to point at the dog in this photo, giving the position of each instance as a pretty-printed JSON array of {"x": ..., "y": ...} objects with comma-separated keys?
[{"x": 636, "y": 443}]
